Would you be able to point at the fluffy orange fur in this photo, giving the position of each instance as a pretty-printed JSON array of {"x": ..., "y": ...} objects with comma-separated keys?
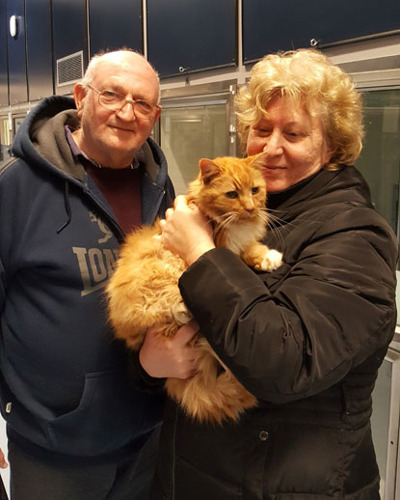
[{"x": 144, "y": 291}]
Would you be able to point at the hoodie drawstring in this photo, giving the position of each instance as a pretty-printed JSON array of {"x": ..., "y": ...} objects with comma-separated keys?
[{"x": 67, "y": 207}]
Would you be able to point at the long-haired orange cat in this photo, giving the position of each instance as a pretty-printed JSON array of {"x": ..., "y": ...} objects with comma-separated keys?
[{"x": 143, "y": 291}]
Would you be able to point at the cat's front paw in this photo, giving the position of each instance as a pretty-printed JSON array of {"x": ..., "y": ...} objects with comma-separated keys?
[
  {"x": 272, "y": 260},
  {"x": 181, "y": 313}
]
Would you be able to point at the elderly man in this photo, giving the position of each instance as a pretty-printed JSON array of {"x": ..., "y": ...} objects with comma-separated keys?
[{"x": 80, "y": 179}]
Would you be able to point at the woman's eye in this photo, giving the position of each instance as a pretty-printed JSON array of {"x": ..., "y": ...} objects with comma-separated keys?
[
  {"x": 231, "y": 194},
  {"x": 255, "y": 190},
  {"x": 295, "y": 135}
]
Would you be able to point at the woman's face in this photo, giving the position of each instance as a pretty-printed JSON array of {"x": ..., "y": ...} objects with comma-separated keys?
[{"x": 294, "y": 142}]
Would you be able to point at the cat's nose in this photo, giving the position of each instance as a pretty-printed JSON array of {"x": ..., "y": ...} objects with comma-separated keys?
[{"x": 250, "y": 209}]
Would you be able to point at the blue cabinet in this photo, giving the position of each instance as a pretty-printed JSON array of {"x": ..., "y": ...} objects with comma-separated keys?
[
  {"x": 191, "y": 36},
  {"x": 3, "y": 55},
  {"x": 116, "y": 24},
  {"x": 69, "y": 22},
  {"x": 17, "y": 52},
  {"x": 39, "y": 49},
  {"x": 269, "y": 26}
]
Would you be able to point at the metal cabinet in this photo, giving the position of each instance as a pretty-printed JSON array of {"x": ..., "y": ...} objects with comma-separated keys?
[
  {"x": 269, "y": 26},
  {"x": 116, "y": 24},
  {"x": 16, "y": 51},
  {"x": 190, "y": 36}
]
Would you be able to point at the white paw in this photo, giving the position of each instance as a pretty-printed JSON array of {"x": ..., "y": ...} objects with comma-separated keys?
[
  {"x": 272, "y": 260},
  {"x": 181, "y": 313}
]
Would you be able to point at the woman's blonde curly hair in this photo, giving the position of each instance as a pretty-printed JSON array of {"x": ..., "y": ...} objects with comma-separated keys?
[{"x": 307, "y": 78}]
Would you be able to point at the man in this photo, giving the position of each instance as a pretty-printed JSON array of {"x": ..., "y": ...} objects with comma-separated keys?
[{"x": 81, "y": 178}]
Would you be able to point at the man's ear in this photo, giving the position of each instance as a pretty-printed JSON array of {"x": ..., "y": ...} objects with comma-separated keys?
[
  {"x": 157, "y": 115},
  {"x": 79, "y": 96}
]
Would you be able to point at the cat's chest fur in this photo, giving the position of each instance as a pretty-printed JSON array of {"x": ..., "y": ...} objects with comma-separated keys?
[{"x": 237, "y": 237}]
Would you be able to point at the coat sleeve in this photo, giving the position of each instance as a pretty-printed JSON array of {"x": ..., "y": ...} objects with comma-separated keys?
[
  {"x": 328, "y": 311},
  {"x": 2, "y": 287}
]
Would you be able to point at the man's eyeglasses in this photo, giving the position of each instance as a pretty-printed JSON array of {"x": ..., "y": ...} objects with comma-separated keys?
[{"x": 114, "y": 101}]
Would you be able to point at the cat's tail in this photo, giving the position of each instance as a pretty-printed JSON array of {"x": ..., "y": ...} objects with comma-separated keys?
[{"x": 213, "y": 395}]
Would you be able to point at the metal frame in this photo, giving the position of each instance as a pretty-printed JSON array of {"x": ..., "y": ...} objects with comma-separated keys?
[{"x": 391, "y": 482}]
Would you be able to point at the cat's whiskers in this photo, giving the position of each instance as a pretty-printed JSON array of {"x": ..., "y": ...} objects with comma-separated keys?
[
  {"x": 225, "y": 220},
  {"x": 232, "y": 220},
  {"x": 263, "y": 215},
  {"x": 274, "y": 223}
]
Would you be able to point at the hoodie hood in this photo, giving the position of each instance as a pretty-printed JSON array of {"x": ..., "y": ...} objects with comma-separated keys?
[{"x": 41, "y": 138}]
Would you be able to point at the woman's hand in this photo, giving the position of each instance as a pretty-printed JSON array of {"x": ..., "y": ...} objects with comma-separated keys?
[
  {"x": 169, "y": 357},
  {"x": 3, "y": 461},
  {"x": 186, "y": 231}
]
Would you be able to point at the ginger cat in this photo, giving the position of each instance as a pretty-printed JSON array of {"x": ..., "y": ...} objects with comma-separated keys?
[{"x": 144, "y": 288}]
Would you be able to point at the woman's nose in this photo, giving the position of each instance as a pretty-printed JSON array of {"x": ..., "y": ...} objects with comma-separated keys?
[{"x": 273, "y": 144}]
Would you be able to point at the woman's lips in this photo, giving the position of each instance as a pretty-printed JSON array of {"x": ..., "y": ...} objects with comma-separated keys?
[{"x": 272, "y": 168}]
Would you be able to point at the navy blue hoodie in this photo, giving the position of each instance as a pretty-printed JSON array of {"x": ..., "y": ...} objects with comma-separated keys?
[{"x": 64, "y": 388}]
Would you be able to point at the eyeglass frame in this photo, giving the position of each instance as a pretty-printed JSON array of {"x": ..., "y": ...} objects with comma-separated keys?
[{"x": 100, "y": 93}]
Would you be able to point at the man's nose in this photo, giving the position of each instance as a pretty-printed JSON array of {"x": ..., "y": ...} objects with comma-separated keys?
[{"x": 127, "y": 111}]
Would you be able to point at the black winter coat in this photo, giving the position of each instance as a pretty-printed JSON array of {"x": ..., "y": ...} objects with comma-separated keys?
[{"x": 307, "y": 340}]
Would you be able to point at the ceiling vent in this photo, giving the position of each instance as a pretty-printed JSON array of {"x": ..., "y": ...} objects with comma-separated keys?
[{"x": 70, "y": 69}]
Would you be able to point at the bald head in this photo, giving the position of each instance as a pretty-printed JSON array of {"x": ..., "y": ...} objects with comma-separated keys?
[{"x": 122, "y": 60}]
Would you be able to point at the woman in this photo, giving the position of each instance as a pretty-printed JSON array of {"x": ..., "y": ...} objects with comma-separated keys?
[{"x": 307, "y": 339}]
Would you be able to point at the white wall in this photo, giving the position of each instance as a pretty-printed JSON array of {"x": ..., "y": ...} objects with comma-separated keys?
[{"x": 5, "y": 473}]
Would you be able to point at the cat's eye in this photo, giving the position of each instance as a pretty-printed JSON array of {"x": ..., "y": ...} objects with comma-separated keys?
[
  {"x": 231, "y": 194},
  {"x": 255, "y": 190}
]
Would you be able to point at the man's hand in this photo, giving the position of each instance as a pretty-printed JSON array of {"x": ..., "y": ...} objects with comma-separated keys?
[{"x": 174, "y": 357}]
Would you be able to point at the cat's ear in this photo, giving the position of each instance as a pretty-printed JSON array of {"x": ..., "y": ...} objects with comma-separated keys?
[
  {"x": 208, "y": 170},
  {"x": 258, "y": 161}
]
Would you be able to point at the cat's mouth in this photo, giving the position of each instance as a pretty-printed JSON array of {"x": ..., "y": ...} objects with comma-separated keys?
[{"x": 248, "y": 215}]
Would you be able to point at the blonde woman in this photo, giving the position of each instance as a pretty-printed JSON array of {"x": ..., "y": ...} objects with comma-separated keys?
[{"x": 306, "y": 339}]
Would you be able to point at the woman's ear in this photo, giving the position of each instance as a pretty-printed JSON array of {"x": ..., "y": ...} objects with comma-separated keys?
[
  {"x": 328, "y": 155},
  {"x": 328, "y": 151}
]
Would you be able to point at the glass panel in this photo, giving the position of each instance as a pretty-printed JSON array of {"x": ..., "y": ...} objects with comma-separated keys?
[
  {"x": 191, "y": 133},
  {"x": 5, "y": 138},
  {"x": 385, "y": 422},
  {"x": 380, "y": 417},
  {"x": 380, "y": 159},
  {"x": 18, "y": 120}
]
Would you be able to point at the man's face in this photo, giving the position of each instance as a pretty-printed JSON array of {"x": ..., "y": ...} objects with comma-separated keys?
[{"x": 109, "y": 137}]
